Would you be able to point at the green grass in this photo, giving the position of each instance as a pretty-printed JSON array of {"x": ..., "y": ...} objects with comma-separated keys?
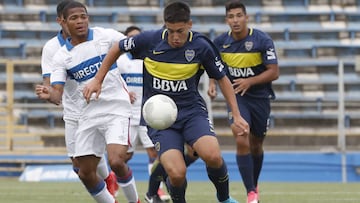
[{"x": 13, "y": 191}]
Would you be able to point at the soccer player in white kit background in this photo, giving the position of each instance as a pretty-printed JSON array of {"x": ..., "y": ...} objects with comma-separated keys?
[
  {"x": 70, "y": 112},
  {"x": 103, "y": 123}
]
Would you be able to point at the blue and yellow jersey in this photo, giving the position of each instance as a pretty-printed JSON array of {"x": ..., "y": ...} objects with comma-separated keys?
[
  {"x": 247, "y": 58},
  {"x": 175, "y": 71}
]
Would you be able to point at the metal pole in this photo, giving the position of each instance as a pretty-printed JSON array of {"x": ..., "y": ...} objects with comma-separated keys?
[
  {"x": 10, "y": 103},
  {"x": 341, "y": 120}
]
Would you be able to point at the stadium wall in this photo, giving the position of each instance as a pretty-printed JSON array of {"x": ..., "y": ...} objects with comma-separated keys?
[{"x": 278, "y": 167}]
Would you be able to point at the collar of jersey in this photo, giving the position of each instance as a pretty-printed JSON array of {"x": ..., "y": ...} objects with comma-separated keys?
[
  {"x": 165, "y": 34},
  {"x": 90, "y": 37},
  {"x": 232, "y": 39},
  {"x": 164, "y": 45},
  {"x": 60, "y": 38}
]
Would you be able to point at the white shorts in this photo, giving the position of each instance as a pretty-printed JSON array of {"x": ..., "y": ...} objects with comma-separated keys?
[
  {"x": 70, "y": 128},
  {"x": 95, "y": 133},
  {"x": 137, "y": 132}
]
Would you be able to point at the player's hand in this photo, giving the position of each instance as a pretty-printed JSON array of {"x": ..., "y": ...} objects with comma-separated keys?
[
  {"x": 240, "y": 127},
  {"x": 241, "y": 85},
  {"x": 42, "y": 92},
  {"x": 93, "y": 87},
  {"x": 132, "y": 97}
]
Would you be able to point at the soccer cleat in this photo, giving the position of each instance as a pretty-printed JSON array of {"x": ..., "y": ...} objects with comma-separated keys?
[
  {"x": 111, "y": 184},
  {"x": 153, "y": 199},
  {"x": 252, "y": 197},
  {"x": 138, "y": 201},
  {"x": 230, "y": 200},
  {"x": 257, "y": 192},
  {"x": 163, "y": 196}
]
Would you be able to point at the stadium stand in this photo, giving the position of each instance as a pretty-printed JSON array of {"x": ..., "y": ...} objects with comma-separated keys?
[{"x": 311, "y": 37}]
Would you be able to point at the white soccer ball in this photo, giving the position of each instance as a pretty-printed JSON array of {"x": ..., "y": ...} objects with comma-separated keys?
[{"x": 159, "y": 111}]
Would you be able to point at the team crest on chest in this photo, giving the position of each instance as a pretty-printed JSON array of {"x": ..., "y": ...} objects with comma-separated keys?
[
  {"x": 189, "y": 55},
  {"x": 249, "y": 45}
]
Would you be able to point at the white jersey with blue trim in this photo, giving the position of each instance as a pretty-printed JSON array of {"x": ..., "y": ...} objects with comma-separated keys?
[
  {"x": 81, "y": 63},
  {"x": 131, "y": 71},
  {"x": 48, "y": 52}
]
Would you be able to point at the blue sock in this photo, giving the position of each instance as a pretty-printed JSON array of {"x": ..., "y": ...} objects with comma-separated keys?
[
  {"x": 156, "y": 176},
  {"x": 220, "y": 178},
  {"x": 177, "y": 193},
  {"x": 258, "y": 162},
  {"x": 246, "y": 168},
  {"x": 98, "y": 188}
]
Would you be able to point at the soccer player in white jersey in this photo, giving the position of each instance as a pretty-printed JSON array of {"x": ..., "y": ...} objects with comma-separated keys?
[
  {"x": 131, "y": 70},
  {"x": 103, "y": 123},
  {"x": 70, "y": 113}
]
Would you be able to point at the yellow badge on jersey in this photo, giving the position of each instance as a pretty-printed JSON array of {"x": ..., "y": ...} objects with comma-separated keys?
[
  {"x": 242, "y": 60},
  {"x": 170, "y": 71}
]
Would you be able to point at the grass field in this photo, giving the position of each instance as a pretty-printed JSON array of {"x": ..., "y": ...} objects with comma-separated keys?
[{"x": 13, "y": 191}]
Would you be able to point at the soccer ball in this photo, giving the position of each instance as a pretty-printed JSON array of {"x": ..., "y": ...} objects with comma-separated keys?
[{"x": 159, "y": 111}]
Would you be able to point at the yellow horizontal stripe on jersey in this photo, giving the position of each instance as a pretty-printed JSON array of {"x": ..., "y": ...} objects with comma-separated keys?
[
  {"x": 170, "y": 71},
  {"x": 242, "y": 60}
]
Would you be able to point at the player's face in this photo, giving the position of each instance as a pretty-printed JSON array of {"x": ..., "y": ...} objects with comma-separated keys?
[
  {"x": 237, "y": 20},
  {"x": 77, "y": 23},
  {"x": 178, "y": 33}
]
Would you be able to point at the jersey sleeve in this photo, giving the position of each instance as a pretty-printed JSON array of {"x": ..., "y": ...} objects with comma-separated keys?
[
  {"x": 269, "y": 54},
  {"x": 211, "y": 61},
  {"x": 58, "y": 74},
  {"x": 46, "y": 60}
]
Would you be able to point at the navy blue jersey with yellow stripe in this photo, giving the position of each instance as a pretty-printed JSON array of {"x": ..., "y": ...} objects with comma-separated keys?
[
  {"x": 175, "y": 72},
  {"x": 247, "y": 58}
]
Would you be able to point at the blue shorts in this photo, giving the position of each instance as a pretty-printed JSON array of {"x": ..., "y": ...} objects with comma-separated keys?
[
  {"x": 187, "y": 129},
  {"x": 256, "y": 111}
]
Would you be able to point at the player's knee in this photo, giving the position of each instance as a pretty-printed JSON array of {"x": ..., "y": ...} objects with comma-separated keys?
[
  {"x": 117, "y": 164},
  {"x": 177, "y": 177},
  {"x": 213, "y": 160}
]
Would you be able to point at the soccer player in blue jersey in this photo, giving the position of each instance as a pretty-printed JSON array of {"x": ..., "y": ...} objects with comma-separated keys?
[
  {"x": 71, "y": 115},
  {"x": 103, "y": 123},
  {"x": 131, "y": 70},
  {"x": 251, "y": 66},
  {"x": 174, "y": 59}
]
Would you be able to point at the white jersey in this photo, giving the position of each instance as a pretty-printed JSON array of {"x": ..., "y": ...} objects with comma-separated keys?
[
  {"x": 50, "y": 48},
  {"x": 131, "y": 71},
  {"x": 81, "y": 62}
]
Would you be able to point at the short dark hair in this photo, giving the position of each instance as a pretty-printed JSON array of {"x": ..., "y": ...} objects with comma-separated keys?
[
  {"x": 60, "y": 7},
  {"x": 176, "y": 12},
  {"x": 231, "y": 4},
  {"x": 70, "y": 5},
  {"x": 131, "y": 28}
]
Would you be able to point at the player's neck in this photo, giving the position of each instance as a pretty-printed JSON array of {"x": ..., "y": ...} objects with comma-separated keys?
[
  {"x": 78, "y": 40},
  {"x": 240, "y": 35}
]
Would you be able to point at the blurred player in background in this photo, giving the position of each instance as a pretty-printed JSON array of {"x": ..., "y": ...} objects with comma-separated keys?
[
  {"x": 252, "y": 66},
  {"x": 174, "y": 60},
  {"x": 131, "y": 71},
  {"x": 103, "y": 123},
  {"x": 70, "y": 112}
]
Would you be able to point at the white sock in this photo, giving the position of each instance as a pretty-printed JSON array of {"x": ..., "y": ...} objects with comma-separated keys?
[
  {"x": 150, "y": 165},
  {"x": 103, "y": 168},
  {"x": 104, "y": 196},
  {"x": 129, "y": 190}
]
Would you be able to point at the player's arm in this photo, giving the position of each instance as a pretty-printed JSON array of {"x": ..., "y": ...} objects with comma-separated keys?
[
  {"x": 94, "y": 86},
  {"x": 212, "y": 93},
  {"x": 239, "y": 126}
]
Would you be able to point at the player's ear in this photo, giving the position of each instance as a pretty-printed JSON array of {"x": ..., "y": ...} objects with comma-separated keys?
[{"x": 190, "y": 23}]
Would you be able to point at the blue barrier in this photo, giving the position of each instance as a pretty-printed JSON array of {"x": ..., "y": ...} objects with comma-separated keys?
[{"x": 278, "y": 167}]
